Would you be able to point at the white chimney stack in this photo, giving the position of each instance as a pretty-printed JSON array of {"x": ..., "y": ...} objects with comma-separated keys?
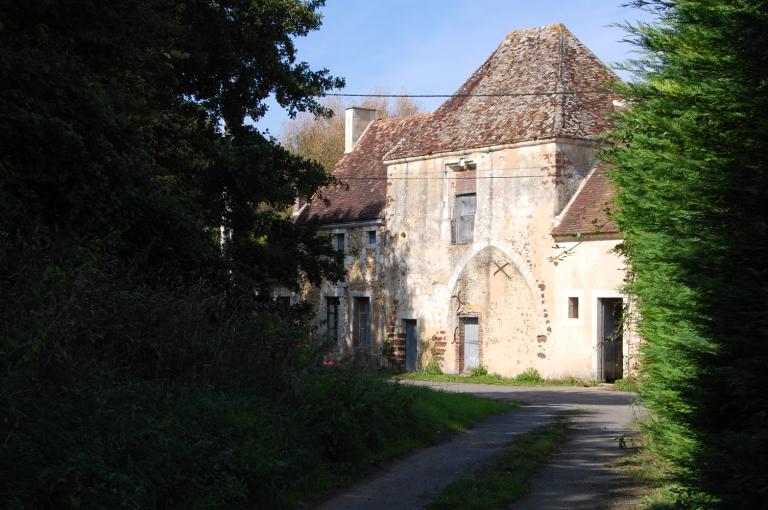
[{"x": 356, "y": 119}]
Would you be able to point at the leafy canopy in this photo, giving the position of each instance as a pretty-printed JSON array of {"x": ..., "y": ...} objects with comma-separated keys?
[{"x": 128, "y": 125}]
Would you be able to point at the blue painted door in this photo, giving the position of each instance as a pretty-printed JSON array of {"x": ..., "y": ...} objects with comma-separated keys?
[
  {"x": 471, "y": 344},
  {"x": 411, "y": 345}
]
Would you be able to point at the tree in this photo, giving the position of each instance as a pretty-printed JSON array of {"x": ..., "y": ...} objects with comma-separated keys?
[
  {"x": 691, "y": 156},
  {"x": 125, "y": 144},
  {"x": 126, "y": 125},
  {"x": 321, "y": 138}
]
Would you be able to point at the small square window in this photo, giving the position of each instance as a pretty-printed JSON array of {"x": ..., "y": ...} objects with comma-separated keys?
[
  {"x": 573, "y": 307},
  {"x": 371, "y": 237},
  {"x": 338, "y": 242}
]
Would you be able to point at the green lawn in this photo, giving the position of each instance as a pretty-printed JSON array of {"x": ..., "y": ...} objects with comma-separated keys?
[
  {"x": 508, "y": 479},
  {"x": 528, "y": 378},
  {"x": 434, "y": 413}
]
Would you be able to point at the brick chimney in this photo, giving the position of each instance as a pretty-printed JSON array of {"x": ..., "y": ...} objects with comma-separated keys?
[{"x": 356, "y": 119}]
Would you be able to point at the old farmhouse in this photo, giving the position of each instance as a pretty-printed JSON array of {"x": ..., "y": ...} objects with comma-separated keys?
[{"x": 477, "y": 235}]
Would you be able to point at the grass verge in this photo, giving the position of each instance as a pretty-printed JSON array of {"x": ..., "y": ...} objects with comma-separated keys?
[
  {"x": 507, "y": 479},
  {"x": 528, "y": 378},
  {"x": 654, "y": 476},
  {"x": 151, "y": 445}
]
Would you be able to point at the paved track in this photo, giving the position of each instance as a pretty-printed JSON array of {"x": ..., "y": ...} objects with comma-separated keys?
[{"x": 578, "y": 478}]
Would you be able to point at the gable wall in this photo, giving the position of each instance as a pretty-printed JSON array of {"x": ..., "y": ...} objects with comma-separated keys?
[{"x": 429, "y": 279}]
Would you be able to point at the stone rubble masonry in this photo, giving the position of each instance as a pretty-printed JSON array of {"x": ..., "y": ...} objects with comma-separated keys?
[{"x": 531, "y": 155}]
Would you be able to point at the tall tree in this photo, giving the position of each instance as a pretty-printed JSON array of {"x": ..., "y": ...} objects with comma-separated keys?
[
  {"x": 127, "y": 124},
  {"x": 321, "y": 138},
  {"x": 691, "y": 156}
]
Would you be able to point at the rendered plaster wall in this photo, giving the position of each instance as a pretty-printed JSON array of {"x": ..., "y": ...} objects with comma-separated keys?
[
  {"x": 503, "y": 276},
  {"x": 363, "y": 263},
  {"x": 591, "y": 270}
]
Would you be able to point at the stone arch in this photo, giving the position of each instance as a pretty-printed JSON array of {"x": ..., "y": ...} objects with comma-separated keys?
[
  {"x": 492, "y": 286},
  {"x": 508, "y": 251}
]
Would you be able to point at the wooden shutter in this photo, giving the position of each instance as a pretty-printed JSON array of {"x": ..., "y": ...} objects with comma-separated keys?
[{"x": 465, "y": 218}]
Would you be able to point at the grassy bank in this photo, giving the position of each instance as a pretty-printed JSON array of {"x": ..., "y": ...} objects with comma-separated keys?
[
  {"x": 530, "y": 377},
  {"x": 154, "y": 446},
  {"x": 508, "y": 479},
  {"x": 654, "y": 475}
]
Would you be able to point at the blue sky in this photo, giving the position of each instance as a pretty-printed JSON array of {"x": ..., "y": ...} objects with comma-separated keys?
[{"x": 432, "y": 46}]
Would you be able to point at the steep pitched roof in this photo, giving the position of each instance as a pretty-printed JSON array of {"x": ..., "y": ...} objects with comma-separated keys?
[
  {"x": 538, "y": 60},
  {"x": 587, "y": 213},
  {"x": 363, "y": 170}
]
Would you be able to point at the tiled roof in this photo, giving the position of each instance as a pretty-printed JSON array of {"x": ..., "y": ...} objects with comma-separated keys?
[
  {"x": 586, "y": 213},
  {"x": 538, "y": 60},
  {"x": 364, "y": 172}
]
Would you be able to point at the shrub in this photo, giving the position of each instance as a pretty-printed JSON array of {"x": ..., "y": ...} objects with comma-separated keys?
[
  {"x": 530, "y": 376},
  {"x": 480, "y": 371},
  {"x": 433, "y": 367}
]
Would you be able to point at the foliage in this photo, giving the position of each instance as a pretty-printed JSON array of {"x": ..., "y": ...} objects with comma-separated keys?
[
  {"x": 530, "y": 377},
  {"x": 128, "y": 125},
  {"x": 479, "y": 371},
  {"x": 142, "y": 363},
  {"x": 690, "y": 154},
  {"x": 433, "y": 367},
  {"x": 149, "y": 445},
  {"x": 508, "y": 479},
  {"x": 631, "y": 384},
  {"x": 322, "y": 138},
  {"x": 653, "y": 475}
]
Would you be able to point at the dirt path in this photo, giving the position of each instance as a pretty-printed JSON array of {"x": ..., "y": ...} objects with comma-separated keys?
[{"x": 577, "y": 478}]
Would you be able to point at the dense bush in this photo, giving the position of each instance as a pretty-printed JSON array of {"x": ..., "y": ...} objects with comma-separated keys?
[{"x": 691, "y": 165}]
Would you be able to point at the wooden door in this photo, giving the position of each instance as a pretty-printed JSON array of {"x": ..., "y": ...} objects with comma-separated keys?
[
  {"x": 411, "y": 345},
  {"x": 610, "y": 350},
  {"x": 471, "y": 343}
]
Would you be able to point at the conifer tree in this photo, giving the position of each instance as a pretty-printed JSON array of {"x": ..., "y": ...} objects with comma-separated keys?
[{"x": 691, "y": 165}]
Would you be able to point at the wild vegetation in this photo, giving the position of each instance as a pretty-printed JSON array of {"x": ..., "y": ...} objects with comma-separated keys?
[
  {"x": 142, "y": 226},
  {"x": 507, "y": 479},
  {"x": 321, "y": 138},
  {"x": 480, "y": 375},
  {"x": 690, "y": 154}
]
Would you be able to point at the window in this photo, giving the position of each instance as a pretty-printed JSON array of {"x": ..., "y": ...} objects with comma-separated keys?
[
  {"x": 332, "y": 316},
  {"x": 573, "y": 307},
  {"x": 361, "y": 327},
  {"x": 371, "y": 237},
  {"x": 463, "y": 223},
  {"x": 338, "y": 242}
]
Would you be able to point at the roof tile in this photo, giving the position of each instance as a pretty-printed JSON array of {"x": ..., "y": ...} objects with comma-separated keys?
[
  {"x": 364, "y": 172},
  {"x": 534, "y": 62},
  {"x": 589, "y": 211}
]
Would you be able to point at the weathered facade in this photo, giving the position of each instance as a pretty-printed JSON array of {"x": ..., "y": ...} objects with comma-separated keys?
[{"x": 491, "y": 245}]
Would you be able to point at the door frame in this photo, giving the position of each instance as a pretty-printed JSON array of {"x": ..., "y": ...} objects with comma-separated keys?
[
  {"x": 600, "y": 306},
  {"x": 595, "y": 314},
  {"x": 462, "y": 318},
  {"x": 415, "y": 323}
]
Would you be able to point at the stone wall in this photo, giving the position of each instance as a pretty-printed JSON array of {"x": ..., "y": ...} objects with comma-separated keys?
[{"x": 503, "y": 277}]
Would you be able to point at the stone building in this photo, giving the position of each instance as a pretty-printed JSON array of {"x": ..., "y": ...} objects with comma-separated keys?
[{"x": 477, "y": 235}]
